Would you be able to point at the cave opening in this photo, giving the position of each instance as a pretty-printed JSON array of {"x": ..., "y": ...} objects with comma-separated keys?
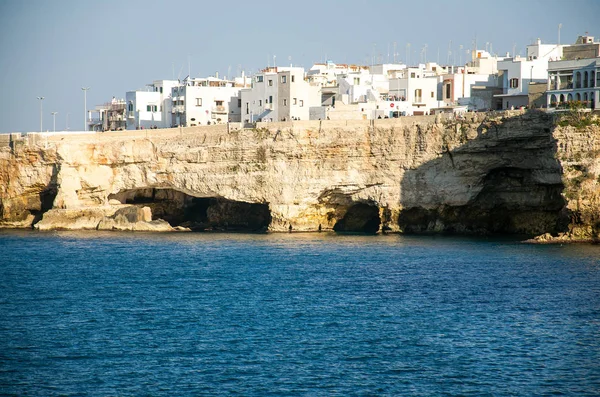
[
  {"x": 511, "y": 201},
  {"x": 359, "y": 218},
  {"x": 44, "y": 203},
  {"x": 199, "y": 213}
]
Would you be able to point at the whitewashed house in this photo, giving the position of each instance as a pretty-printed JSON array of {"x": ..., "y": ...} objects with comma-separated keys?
[
  {"x": 206, "y": 101},
  {"x": 574, "y": 80},
  {"x": 517, "y": 72},
  {"x": 151, "y": 107},
  {"x": 279, "y": 94},
  {"x": 414, "y": 91}
]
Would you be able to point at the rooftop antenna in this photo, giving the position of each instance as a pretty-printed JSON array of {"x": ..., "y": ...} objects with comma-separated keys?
[
  {"x": 388, "y": 59},
  {"x": 228, "y": 72},
  {"x": 373, "y": 56},
  {"x": 173, "y": 75},
  {"x": 449, "y": 52},
  {"x": 394, "y": 52},
  {"x": 179, "y": 75},
  {"x": 290, "y": 59},
  {"x": 514, "y": 49},
  {"x": 407, "y": 54},
  {"x": 189, "y": 65}
]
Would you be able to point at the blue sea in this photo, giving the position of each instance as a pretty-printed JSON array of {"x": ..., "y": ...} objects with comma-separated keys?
[{"x": 192, "y": 314}]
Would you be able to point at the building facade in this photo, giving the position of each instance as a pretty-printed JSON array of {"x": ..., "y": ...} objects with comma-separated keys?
[
  {"x": 205, "y": 101},
  {"x": 279, "y": 94},
  {"x": 151, "y": 107},
  {"x": 574, "y": 80}
]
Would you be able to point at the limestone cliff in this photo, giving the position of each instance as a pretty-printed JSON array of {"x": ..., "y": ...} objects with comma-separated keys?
[{"x": 508, "y": 172}]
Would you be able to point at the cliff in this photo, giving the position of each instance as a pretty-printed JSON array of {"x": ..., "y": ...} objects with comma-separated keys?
[{"x": 513, "y": 172}]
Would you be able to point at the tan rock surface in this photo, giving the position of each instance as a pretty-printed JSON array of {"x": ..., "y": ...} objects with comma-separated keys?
[{"x": 484, "y": 173}]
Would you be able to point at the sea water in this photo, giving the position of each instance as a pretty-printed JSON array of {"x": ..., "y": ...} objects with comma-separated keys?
[{"x": 89, "y": 313}]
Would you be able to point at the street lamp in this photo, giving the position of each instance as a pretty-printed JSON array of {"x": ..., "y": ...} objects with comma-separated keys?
[
  {"x": 85, "y": 90},
  {"x": 41, "y": 98},
  {"x": 54, "y": 120}
]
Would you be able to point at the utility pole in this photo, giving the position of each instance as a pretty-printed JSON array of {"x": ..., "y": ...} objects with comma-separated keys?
[
  {"x": 85, "y": 90},
  {"x": 41, "y": 98}
]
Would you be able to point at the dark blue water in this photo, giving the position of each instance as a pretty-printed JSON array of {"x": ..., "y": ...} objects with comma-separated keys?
[{"x": 301, "y": 314}]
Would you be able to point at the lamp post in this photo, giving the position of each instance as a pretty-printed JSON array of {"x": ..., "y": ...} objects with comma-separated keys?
[
  {"x": 54, "y": 120},
  {"x": 559, "y": 26},
  {"x": 41, "y": 98},
  {"x": 85, "y": 90}
]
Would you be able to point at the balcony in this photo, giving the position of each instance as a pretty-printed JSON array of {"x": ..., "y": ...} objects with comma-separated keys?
[
  {"x": 219, "y": 110},
  {"x": 268, "y": 106}
]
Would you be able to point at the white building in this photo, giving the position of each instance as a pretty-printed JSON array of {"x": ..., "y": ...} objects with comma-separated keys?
[
  {"x": 205, "y": 101},
  {"x": 279, "y": 94},
  {"x": 109, "y": 116},
  {"x": 151, "y": 107},
  {"x": 414, "y": 91},
  {"x": 456, "y": 88},
  {"x": 516, "y": 73},
  {"x": 574, "y": 80}
]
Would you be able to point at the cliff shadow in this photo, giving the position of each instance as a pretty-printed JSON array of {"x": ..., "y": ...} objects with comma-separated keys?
[
  {"x": 500, "y": 175},
  {"x": 43, "y": 201}
]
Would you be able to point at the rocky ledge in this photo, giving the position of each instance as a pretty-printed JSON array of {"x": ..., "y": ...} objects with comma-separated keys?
[{"x": 502, "y": 172}]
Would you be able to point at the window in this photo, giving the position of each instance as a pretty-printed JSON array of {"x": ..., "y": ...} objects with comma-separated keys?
[
  {"x": 285, "y": 102},
  {"x": 412, "y": 75},
  {"x": 247, "y": 108},
  {"x": 432, "y": 94},
  {"x": 418, "y": 94},
  {"x": 219, "y": 103},
  {"x": 161, "y": 90},
  {"x": 270, "y": 98},
  {"x": 295, "y": 101},
  {"x": 301, "y": 103},
  {"x": 259, "y": 79},
  {"x": 260, "y": 102},
  {"x": 293, "y": 78},
  {"x": 356, "y": 80},
  {"x": 284, "y": 79},
  {"x": 239, "y": 103},
  {"x": 151, "y": 108},
  {"x": 130, "y": 106},
  {"x": 198, "y": 101},
  {"x": 148, "y": 108},
  {"x": 514, "y": 83},
  {"x": 270, "y": 82},
  {"x": 448, "y": 87}
]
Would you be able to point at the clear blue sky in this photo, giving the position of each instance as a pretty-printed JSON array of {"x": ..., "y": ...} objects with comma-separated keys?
[{"x": 53, "y": 48}]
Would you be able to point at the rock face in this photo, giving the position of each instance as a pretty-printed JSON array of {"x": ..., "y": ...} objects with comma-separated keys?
[{"x": 510, "y": 172}]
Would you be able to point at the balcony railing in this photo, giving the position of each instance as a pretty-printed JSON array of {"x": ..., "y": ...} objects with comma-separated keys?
[{"x": 219, "y": 109}]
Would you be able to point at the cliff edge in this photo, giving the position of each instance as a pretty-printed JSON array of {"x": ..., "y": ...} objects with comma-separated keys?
[{"x": 503, "y": 172}]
